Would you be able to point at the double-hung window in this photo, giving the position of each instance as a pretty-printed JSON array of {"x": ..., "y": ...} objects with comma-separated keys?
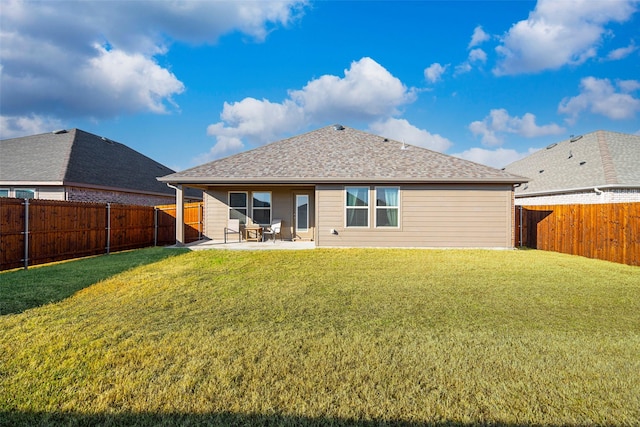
[
  {"x": 357, "y": 206},
  {"x": 238, "y": 206},
  {"x": 387, "y": 206},
  {"x": 262, "y": 208},
  {"x": 25, "y": 193}
]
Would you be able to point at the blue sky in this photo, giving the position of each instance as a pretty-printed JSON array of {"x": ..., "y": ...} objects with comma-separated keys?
[{"x": 186, "y": 82}]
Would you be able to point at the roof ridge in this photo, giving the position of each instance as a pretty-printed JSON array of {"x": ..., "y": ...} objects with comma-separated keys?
[{"x": 610, "y": 175}]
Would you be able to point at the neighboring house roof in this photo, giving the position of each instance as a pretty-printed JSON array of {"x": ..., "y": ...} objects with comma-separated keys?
[
  {"x": 599, "y": 159},
  {"x": 78, "y": 158},
  {"x": 340, "y": 154}
]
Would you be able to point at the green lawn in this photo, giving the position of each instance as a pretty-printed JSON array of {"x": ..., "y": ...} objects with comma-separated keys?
[{"x": 326, "y": 337}]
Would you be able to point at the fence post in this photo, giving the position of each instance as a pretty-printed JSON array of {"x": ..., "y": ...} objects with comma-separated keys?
[
  {"x": 520, "y": 226},
  {"x": 108, "y": 227},
  {"x": 26, "y": 233},
  {"x": 199, "y": 221},
  {"x": 155, "y": 226}
]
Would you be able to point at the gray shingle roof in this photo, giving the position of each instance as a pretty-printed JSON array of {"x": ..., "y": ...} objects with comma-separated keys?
[
  {"x": 76, "y": 157},
  {"x": 340, "y": 155},
  {"x": 597, "y": 159}
]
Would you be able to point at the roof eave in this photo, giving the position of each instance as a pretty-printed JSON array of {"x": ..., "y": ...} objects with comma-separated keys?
[
  {"x": 311, "y": 181},
  {"x": 577, "y": 190}
]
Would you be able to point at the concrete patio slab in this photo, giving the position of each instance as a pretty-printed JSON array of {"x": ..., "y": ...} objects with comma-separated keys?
[{"x": 250, "y": 246}]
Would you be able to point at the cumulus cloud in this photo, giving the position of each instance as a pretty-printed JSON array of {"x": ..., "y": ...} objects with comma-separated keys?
[
  {"x": 104, "y": 61},
  {"x": 622, "y": 52},
  {"x": 366, "y": 92},
  {"x": 499, "y": 122},
  {"x": 478, "y": 37},
  {"x": 477, "y": 55},
  {"x": 402, "y": 130},
  {"x": 13, "y": 127},
  {"x": 433, "y": 73},
  {"x": 497, "y": 158},
  {"x": 600, "y": 96},
  {"x": 559, "y": 33}
]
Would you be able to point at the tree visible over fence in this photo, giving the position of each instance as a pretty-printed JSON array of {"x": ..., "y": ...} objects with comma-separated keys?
[
  {"x": 40, "y": 231},
  {"x": 609, "y": 232}
]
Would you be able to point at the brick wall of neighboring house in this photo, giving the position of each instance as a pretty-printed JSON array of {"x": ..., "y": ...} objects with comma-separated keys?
[
  {"x": 76, "y": 194},
  {"x": 584, "y": 198}
]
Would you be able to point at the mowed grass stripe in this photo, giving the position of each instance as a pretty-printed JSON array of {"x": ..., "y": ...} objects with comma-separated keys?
[{"x": 339, "y": 336}]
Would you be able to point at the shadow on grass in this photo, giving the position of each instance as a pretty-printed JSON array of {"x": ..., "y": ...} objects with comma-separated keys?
[
  {"x": 21, "y": 290},
  {"x": 215, "y": 419}
]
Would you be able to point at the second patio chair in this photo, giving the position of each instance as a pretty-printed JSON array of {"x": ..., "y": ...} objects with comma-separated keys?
[{"x": 275, "y": 228}]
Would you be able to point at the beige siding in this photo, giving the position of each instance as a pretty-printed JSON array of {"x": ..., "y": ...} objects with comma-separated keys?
[
  {"x": 282, "y": 200},
  {"x": 430, "y": 216}
]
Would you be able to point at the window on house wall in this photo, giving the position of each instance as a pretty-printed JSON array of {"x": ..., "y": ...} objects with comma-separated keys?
[
  {"x": 4, "y": 192},
  {"x": 261, "y": 208},
  {"x": 238, "y": 206},
  {"x": 357, "y": 206},
  {"x": 387, "y": 206},
  {"x": 25, "y": 193}
]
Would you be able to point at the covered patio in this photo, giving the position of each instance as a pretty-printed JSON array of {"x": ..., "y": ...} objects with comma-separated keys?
[{"x": 250, "y": 246}]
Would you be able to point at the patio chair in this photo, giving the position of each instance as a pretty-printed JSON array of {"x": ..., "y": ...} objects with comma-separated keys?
[
  {"x": 233, "y": 227},
  {"x": 274, "y": 229}
]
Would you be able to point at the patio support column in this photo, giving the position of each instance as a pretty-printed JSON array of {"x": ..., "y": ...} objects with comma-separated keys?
[{"x": 179, "y": 215}]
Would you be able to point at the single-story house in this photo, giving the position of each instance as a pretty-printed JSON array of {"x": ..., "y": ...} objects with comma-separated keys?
[
  {"x": 598, "y": 167},
  {"x": 74, "y": 165},
  {"x": 339, "y": 186}
]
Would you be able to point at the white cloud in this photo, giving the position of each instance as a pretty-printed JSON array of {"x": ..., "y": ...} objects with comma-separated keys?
[
  {"x": 477, "y": 55},
  {"x": 433, "y": 73},
  {"x": 463, "y": 68},
  {"x": 259, "y": 121},
  {"x": 499, "y": 122},
  {"x": 559, "y": 33},
  {"x": 599, "y": 96},
  {"x": 225, "y": 146},
  {"x": 103, "y": 62},
  {"x": 478, "y": 37},
  {"x": 366, "y": 92},
  {"x": 622, "y": 52},
  {"x": 402, "y": 130},
  {"x": 13, "y": 127},
  {"x": 497, "y": 158},
  {"x": 128, "y": 82}
]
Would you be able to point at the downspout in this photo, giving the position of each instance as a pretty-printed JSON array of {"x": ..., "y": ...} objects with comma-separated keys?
[{"x": 597, "y": 190}]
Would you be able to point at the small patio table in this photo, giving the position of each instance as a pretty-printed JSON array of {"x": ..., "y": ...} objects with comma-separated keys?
[{"x": 253, "y": 233}]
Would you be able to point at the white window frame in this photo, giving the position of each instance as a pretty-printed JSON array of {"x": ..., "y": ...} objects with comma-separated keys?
[
  {"x": 306, "y": 229},
  {"x": 235, "y": 208},
  {"x": 270, "y": 208},
  {"x": 397, "y": 207},
  {"x": 347, "y": 207},
  {"x": 33, "y": 190}
]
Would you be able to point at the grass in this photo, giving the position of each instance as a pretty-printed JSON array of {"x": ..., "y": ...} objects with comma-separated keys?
[
  {"x": 25, "y": 289},
  {"x": 331, "y": 337}
]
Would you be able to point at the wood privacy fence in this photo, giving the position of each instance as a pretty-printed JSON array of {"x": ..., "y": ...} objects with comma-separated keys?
[
  {"x": 609, "y": 232},
  {"x": 39, "y": 231}
]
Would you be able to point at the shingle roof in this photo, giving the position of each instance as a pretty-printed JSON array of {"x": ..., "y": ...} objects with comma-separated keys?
[
  {"x": 76, "y": 157},
  {"x": 597, "y": 159},
  {"x": 340, "y": 154}
]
